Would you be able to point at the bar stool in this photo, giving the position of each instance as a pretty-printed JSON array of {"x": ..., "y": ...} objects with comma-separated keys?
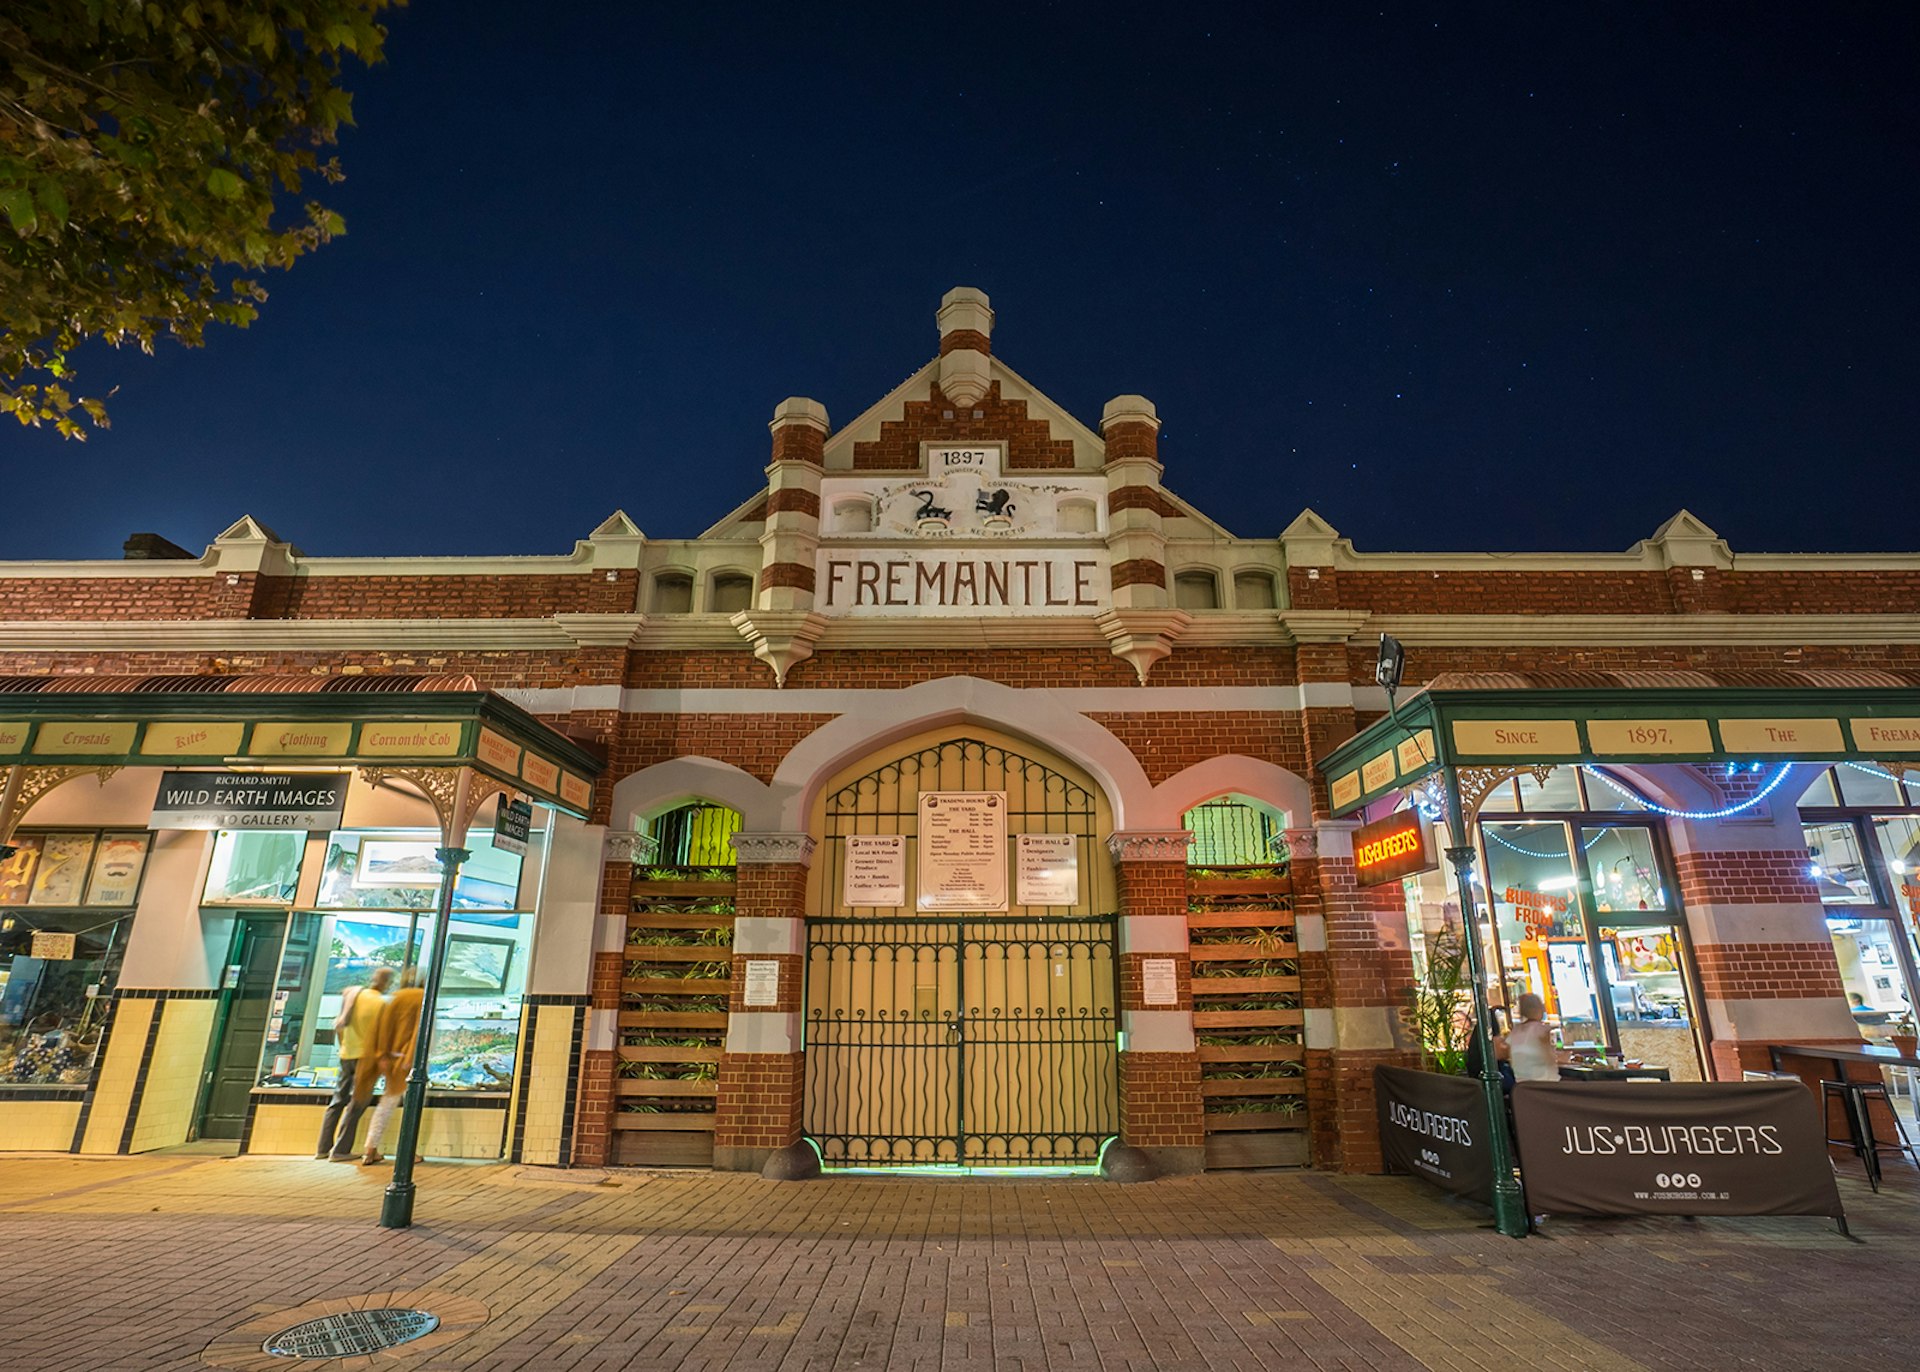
[{"x": 1854, "y": 1098}]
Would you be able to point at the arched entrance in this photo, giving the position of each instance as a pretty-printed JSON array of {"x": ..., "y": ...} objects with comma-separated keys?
[{"x": 962, "y": 1028}]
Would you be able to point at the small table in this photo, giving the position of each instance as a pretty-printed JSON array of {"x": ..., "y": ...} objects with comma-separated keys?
[{"x": 1585, "y": 1072}]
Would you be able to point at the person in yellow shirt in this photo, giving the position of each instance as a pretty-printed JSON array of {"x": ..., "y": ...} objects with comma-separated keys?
[{"x": 353, "y": 1031}]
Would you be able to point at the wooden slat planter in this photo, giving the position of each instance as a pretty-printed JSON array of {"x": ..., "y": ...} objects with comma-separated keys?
[
  {"x": 1239, "y": 928},
  {"x": 1252, "y": 1052},
  {"x": 673, "y": 937}
]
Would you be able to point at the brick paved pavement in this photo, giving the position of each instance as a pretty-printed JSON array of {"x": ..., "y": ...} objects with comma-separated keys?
[{"x": 144, "y": 1262}]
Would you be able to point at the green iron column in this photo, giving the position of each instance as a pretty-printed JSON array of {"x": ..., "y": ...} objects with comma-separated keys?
[
  {"x": 396, "y": 1207},
  {"x": 1509, "y": 1205}
]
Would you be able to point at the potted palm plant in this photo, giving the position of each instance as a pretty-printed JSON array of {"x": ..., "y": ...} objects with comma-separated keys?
[{"x": 1903, "y": 1036}]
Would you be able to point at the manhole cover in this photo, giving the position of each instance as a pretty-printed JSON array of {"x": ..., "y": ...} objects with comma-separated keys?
[{"x": 357, "y": 1331}]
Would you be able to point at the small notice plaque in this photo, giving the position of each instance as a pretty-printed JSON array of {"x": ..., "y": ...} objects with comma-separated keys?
[
  {"x": 876, "y": 870},
  {"x": 1047, "y": 869},
  {"x": 1159, "y": 982},
  {"x": 54, "y": 947},
  {"x": 963, "y": 850},
  {"x": 763, "y": 982}
]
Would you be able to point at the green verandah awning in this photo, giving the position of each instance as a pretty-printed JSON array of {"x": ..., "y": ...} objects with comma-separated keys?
[
  {"x": 425, "y": 726},
  {"x": 1513, "y": 720}
]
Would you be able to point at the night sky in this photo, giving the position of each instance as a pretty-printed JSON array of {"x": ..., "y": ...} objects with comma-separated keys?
[{"x": 1526, "y": 276}]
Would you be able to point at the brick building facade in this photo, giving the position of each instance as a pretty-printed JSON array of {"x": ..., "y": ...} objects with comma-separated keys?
[{"x": 967, "y": 566}]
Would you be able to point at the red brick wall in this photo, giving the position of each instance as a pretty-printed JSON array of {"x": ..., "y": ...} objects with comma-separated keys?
[
  {"x": 1133, "y": 440},
  {"x": 448, "y": 597},
  {"x": 1131, "y": 980},
  {"x": 1768, "y": 971},
  {"x": 787, "y": 996},
  {"x": 956, "y": 339},
  {"x": 753, "y": 743},
  {"x": 759, "y": 1100},
  {"x": 593, "y": 1115},
  {"x": 1168, "y": 742},
  {"x": 1030, "y": 442},
  {"x": 1160, "y": 1100},
  {"x": 1746, "y": 877},
  {"x": 770, "y": 890}
]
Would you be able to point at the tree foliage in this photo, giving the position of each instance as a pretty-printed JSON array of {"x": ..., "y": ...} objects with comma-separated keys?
[{"x": 155, "y": 159}]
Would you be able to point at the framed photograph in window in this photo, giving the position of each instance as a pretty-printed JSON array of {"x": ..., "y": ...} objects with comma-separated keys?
[
  {"x": 16, "y": 873},
  {"x": 61, "y": 878},
  {"x": 117, "y": 864},
  {"x": 476, "y": 966},
  {"x": 397, "y": 862}
]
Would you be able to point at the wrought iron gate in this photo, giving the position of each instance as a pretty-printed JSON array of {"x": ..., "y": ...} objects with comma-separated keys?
[{"x": 976, "y": 1041}]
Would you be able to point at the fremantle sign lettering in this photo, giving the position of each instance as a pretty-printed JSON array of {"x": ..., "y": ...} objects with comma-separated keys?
[
  {"x": 957, "y": 582},
  {"x": 250, "y": 800}
]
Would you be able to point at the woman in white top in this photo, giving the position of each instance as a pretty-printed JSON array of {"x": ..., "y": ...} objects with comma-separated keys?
[{"x": 1530, "y": 1048}]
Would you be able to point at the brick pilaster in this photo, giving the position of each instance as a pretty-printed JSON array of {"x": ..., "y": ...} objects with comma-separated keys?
[{"x": 1161, "y": 1109}]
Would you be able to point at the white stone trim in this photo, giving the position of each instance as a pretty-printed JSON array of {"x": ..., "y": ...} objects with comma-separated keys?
[
  {"x": 763, "y": 1031},
  {"x": 1310, "y": 933},
  {"x": 1812, "y": 1017},
  {"x": 1336, "y": 837},
  {"x": 1367, "y": 1027},
  {"x": 769, "y": 934},
  {"x": 1602, "y": 630},
  {"x": 772, "y": 848},
  {"x": 602, "y": 1030},
  {"x": 1150, "y": 845},
  {"x": 844, "y": 700},
  {"x": 1153, "y": 934},
  {"x": 1318, "y": 1032},
  {"x": 1158, "y": 1031}
]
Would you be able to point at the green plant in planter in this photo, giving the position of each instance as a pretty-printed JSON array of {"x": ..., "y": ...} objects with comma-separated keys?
[{"x": 1432, "y": 1014}]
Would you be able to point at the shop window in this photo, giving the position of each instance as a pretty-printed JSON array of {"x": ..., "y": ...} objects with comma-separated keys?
[
  {"x": 66, "y": 904},
  {"x": 1196, "y": 591},
  {"x": 1533, "y": 891},
  {"x": 1253, "y": 591},
  {"x": 672, "y": 594},
  {"x": 1820, "y": 793},
  {"x": 1646, "y": 985},
  {"x": 1623, "y": 871},
  {"x": 1836, "y": 865},
  {"x": 1078, "y": 517},
  {"x": 379, "y": 889},
  {"x": 1867, "y": 787},
  {"x": 1867, "y": 950},
  {"x": 1898, "y": 838},
  {"x": 1558, "y": 793},
  {"x": 254, "y": 868},
  {"x": 731, "y": 594}
]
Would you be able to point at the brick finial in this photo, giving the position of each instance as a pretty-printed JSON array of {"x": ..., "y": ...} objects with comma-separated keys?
[
  {"x": 799, "y": 429},
  {"x": 966, "y": 345},
  {"x": 1131, "y": 427}
]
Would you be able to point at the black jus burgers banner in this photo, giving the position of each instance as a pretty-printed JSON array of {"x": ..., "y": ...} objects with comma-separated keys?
[
  {"x": 1707, "y": 1148},
  {"x": 1434, "y": 1127}
]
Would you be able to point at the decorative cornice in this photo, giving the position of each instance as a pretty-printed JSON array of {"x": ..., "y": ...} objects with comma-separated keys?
[
  {"x": 1142, "y": 637},
  {"x": 1150, "y": 845},
  {"x": 781, "y": 638},
  {"x": 1301, "y": 843},
  {"x": 1322, "y": 626},
  {"x": 1605, "y": 630},
  {"x": 620, "y": 846},
  {"x": 771, "y": 848},
  {"x": 602, "y": 631}
]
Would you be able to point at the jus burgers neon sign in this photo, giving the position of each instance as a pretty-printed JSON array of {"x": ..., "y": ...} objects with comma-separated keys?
[{"x": 1391, "y": 848}]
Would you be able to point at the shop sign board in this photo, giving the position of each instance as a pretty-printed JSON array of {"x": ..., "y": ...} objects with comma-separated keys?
[
  {"x": 1415, "y": 753},
  {"x": 1781, "y": 736},
  {"x": 1392, "y": 848},
  {"x": 498, "y": 752},
  {"x": 1047, "y": 869},
  {"x": 1345, "y": 790},
  {"x": 874, "y": 871},
  {"x": 192, "y": 738},
  {"x": 959, "y": 582},
  {"x": 13, "y": 736},
  {"x": 1874, "y": 737},
  {"x": 1648, "y": 737},
  {"x": 540, "y": 774},
  {"x": 1378, "y": 771},
  {"x": 963, "y": 850},
  {"x": 1434, "y": 1126},
  {"x": 513, "y": 826},
  {"x": 84, "y": 738},
  {"x": 1682, "y": 1148},
  {"x": 426, "y": 738},
  {"x": 250, "y": 800},
  {"x": 1516, "y": 738}
]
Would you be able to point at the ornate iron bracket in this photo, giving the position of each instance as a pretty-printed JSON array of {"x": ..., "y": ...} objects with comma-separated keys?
[
  {"x": 456, "y": 794},
  {"x": 1477, "y": 783},
  {"x": 25, "y": 784}
]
